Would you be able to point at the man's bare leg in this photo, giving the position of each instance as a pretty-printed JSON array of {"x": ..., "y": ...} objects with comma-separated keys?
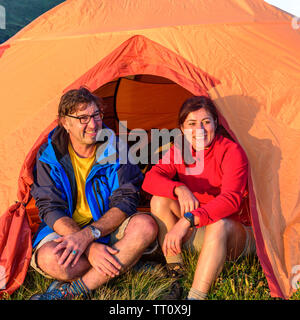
[{"x": 139, "y": 234}]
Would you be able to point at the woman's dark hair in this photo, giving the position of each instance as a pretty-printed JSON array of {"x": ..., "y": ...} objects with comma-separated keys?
[
  {"x": 195, "y": 103},
  {"x": 70, "y": 101}
]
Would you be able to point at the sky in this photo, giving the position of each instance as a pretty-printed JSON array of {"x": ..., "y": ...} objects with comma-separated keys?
[{"x": 291, "y": 6}]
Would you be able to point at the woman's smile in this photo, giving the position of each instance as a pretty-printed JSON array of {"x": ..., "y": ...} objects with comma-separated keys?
[{"x": 199, "y": 128}]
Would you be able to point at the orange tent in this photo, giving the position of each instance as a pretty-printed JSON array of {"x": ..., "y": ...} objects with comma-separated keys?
[{"x": 145, "y": 57}]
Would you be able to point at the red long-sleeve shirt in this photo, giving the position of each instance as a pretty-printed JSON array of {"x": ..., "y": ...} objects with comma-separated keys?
[{"x": 220, "y": 187}]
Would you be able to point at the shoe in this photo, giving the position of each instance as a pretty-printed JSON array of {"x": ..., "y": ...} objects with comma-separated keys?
[
  {"x": 145, "y": 266},
  {"x": 175, "y": 270},
  {"x": 175, "y": 292},
  {"x": 57, "y": 291},
  {"x": 155, "y": 255}
]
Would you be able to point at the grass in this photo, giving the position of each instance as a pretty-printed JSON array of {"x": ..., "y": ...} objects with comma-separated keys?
[{"x": 239, "y": 280}]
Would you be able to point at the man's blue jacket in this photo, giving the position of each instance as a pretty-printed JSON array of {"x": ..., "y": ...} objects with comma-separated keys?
[{"x": 110, "y": 183}]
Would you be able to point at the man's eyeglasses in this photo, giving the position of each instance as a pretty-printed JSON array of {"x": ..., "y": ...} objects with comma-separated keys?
[{"x": 85, "y": 119}]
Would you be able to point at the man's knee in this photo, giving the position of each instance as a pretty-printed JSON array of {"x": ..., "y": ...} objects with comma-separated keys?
[
  {"x": 48, "y": 262},
  {"x": 45, "y": 256},
  {"x": 144, "y": 225}
]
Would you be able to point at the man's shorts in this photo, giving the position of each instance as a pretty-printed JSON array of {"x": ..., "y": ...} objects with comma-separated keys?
[
  {"x": 115, "y": 236},
  {"x": 195, "y": 242}
]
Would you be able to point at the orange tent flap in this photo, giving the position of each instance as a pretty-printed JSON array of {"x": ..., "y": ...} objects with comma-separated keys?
[
  {"x": 15, "y": 248},
  {"x": 149, "y": 105}
]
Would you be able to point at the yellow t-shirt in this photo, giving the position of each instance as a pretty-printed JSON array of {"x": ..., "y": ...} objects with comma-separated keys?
[{"x": 81, "y": 166}]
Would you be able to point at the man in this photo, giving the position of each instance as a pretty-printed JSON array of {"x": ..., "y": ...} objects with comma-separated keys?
[{"x": 90, "y": 231}]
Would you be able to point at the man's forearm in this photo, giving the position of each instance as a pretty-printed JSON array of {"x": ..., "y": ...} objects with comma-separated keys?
[
  {"x": 110, "y": 221},
  {"x": 106, "y": 224},
  {"x": 65, "y": 226}
]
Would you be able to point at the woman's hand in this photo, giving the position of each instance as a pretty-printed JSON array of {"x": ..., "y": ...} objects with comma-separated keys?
[
  {"x": 101, "y": 257},
  {"x": 187, "y": 201},
  {"x": 173, "y": 239}
]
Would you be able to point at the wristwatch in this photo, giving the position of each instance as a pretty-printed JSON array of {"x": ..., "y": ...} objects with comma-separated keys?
[
  {"x": 190, "y": 217},
  {"x": 95, "y": 232}
]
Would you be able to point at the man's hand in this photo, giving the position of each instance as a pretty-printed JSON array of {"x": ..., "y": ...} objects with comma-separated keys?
[
  {"x": 70, "y": 247},
  {"x": 173, "y": 239},
  {"x": 187, "y": 201},
  {"x": 101, "y": 257}
]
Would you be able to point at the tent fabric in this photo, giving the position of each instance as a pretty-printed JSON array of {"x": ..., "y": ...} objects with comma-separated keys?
[
  {"x": 15, "y": 248},
  {"x": 243, "y": 53},
  {"x": 163, "y": 100},
  {"x": 2, "y": 49},
  {"x": 18, "y": 224}
]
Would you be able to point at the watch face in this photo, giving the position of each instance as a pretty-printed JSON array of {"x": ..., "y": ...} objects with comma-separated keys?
[
  {"x": 190, "y": 217},
  {"x": 96, "y": 232}
]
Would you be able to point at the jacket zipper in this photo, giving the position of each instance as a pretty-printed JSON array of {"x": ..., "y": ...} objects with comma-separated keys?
[
  {"x": 102, "y": 181},
  {"x": 95, "y": 192},
  {"x": 100, "y": 194}
]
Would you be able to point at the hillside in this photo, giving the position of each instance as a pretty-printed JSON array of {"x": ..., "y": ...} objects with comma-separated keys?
[{"x": 20, "y": 13}]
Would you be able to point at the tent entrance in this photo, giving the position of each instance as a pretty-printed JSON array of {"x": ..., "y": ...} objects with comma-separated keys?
[
  {"x": 144, "y": 84},
  {"x": 144, "y": 101}
]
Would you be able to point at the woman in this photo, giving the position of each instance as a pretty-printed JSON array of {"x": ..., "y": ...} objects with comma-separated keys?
[{"x": 204, "y": 210}]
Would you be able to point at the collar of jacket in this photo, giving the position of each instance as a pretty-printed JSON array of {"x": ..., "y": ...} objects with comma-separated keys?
[{"x": 108, "y": 146}]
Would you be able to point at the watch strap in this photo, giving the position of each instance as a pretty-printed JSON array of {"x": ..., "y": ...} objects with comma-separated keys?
[{"x": 190, "y": 217}]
